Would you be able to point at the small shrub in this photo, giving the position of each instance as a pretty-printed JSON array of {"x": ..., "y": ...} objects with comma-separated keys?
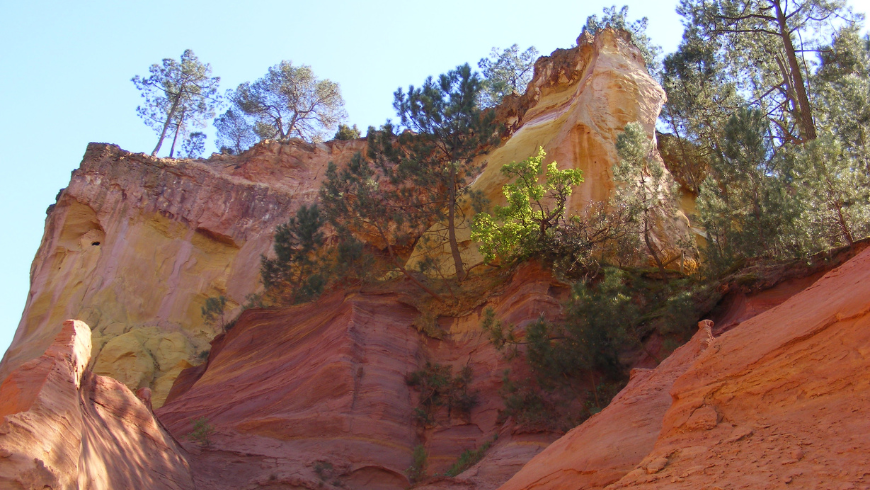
[
  {"x": 417, "y": 471},
  {"x": 346, "y": 132},
  {"x": 202, "y": 432},
  {"x": 438, "y": 387},
  {"x": 469, "y": 458}
]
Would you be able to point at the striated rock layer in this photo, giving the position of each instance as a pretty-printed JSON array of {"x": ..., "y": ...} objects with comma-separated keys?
[
  {"x": 317, "y": 392},
  {"x": 135, "y": 245},
  {"x": 781, "y": 399},
  {"x": 65, "y": 428}
]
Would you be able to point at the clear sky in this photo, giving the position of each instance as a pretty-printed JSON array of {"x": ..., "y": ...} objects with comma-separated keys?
[{"x": 65, "y": 70}]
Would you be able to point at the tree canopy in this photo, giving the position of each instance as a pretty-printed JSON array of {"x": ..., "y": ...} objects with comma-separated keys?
[
  {"x": 290, "y": 102},
  {"x": 506, "y": 72},
  {"x": 178, "y": 95}
]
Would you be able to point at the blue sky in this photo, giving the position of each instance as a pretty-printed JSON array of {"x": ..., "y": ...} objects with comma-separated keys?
[{"x": 66, "y": 69}]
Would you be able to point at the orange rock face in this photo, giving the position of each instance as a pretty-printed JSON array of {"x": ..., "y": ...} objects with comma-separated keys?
[
  {"x": 66, "y": 428},
  {"x": 781, "y": 399},
  {"x": 295, "y": 391}
]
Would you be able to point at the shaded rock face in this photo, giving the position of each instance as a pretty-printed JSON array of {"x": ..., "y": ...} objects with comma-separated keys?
[
  {"x": 66, "y": 428},
  {"x": 317, "y": 393},
  {"x": 782, "y": 398}
]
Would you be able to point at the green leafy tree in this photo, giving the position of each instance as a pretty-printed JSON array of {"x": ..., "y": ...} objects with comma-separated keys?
[
  {"x": 194, "y": 145},
  {"x": 435, "y": 159},
  {"x": 358, "y": 200},
  {"x": 297, "y": 273},
  {"x": 534, "y": 210},
  {"x": 618, "y": 19},
  {"x": 645, "y": 188},
  {"x": 346, "y": 132},
  {"x": 178, "y": 95},
  {"x": 763, "y": 44},
  {"x": 290, "y": 102},
  {"x": 505, "y": 73},
  {"x": 234, "y": 133},
  {"x": 834, "y": 192},
  {"x": 746, "y": 205},
  {"x": 202, "y": 432}
]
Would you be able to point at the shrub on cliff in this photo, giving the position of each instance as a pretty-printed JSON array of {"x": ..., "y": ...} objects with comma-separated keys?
[
  {"x": 346, "y": 132},
  {"x": 295, "y": 274}
]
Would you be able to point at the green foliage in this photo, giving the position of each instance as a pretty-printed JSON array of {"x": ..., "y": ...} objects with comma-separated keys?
[
  {"x": 234, "y": 133},
  {"x": 434, "y": 162},
  {"x": 648, "y": 193},
  {"x": 438, "y": 387},
  {"x": 178, "y": 95},
  {"x": 346, "y": 132},
  {"x": 290, "y": 102},
  {"x": 745, "y": 204},
  {"x": 194, "y": 145},
  {"x": 298, "y": 272},
  {"x": 577, "y": 365},
  {"x": 469, "y": 458},
  {"x": 213, "y": 311},
  {"x": 202, "y": 432},
  {"x": 619, "y": 20},
  {"x": 534, "y": 210},
  {"x": 417, "y": 471},
  {"x": 505, "y": 73}
]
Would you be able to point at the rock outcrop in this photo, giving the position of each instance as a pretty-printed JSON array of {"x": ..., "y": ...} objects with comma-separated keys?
[
  {"x": 780, "y": 399},
  {"x": 64, "y": 427},
  {"x": 135, "y": 245},
  {"x": 296, "y": 391}
]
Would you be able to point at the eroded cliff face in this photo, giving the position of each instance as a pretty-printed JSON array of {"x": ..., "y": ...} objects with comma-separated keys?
[
  {"x": 296, "y": 391},
  {"x": 67, "y": 428},
  {"x": 135, "y": 245},
  {"x": 781, "y": 399}
]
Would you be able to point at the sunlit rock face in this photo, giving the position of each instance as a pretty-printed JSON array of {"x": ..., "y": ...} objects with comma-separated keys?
[
  {"x": 135, "y": 245},
  {"x": 577, "y": 104},
  {"x": 781, "y": 398},
  {"x": 64, "y": 427}
]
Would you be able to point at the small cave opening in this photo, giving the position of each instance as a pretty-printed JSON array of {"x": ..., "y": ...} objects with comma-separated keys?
[{"x": 95, "y": 244}]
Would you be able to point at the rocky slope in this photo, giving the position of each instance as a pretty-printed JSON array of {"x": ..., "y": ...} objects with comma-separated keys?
[
  {"x": 67, "y": 428},
  {"x": 781, "y": 399},
  {"x": 135, "y": 245}
]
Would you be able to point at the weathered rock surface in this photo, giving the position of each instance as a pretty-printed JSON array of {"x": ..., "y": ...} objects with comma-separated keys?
[
  {"x": 296, "y": 391},
  {"x": 65, "y": 428},
  {"x": 781, "y": 399},
  {"x": 578, "y": 102}
]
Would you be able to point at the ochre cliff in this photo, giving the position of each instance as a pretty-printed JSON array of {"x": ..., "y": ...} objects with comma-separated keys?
[
  {"x": 135, "y": 245},
  {"x": 780, "y": 399},
  {"x": 67, "y": 428},
  {"x": 296, "y": 390}
]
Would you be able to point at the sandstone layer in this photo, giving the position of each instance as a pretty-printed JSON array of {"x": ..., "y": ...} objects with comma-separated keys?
[
  {"x": 296, "y": 391},
  {"x": 65, "y": 428},
  {"x": 780, "y": 400}
]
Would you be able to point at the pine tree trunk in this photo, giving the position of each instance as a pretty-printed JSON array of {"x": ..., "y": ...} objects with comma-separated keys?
[
  {"x": 451, "y": 227},
  {"x": 808, "y": 126},
  {"x": 175, "y": 138},
  {"x": 166, "y": 125}
]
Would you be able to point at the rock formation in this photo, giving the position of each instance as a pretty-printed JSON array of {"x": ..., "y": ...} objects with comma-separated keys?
[
  {"x": 135, "y": 245},
  {"x": 781, "y": 398},
  {"x": 66, "y": 428}
]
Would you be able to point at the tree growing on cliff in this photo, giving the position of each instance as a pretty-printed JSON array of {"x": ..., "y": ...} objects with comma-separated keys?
[
  {"x": 178, "y": 95},
  {"x": 646, "y": 190},
  {"x": 618, "y": 19},
  {"x": 434, "y": 160},
  {"x": 234, "y": 133},
  {"x": 291, "y": 102},
  {"x": 346, "y": 132},
  {"x": 506, "y": 72}
]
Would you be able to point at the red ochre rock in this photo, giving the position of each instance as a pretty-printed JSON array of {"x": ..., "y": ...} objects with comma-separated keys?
[{"x": 65, "y": 428}]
